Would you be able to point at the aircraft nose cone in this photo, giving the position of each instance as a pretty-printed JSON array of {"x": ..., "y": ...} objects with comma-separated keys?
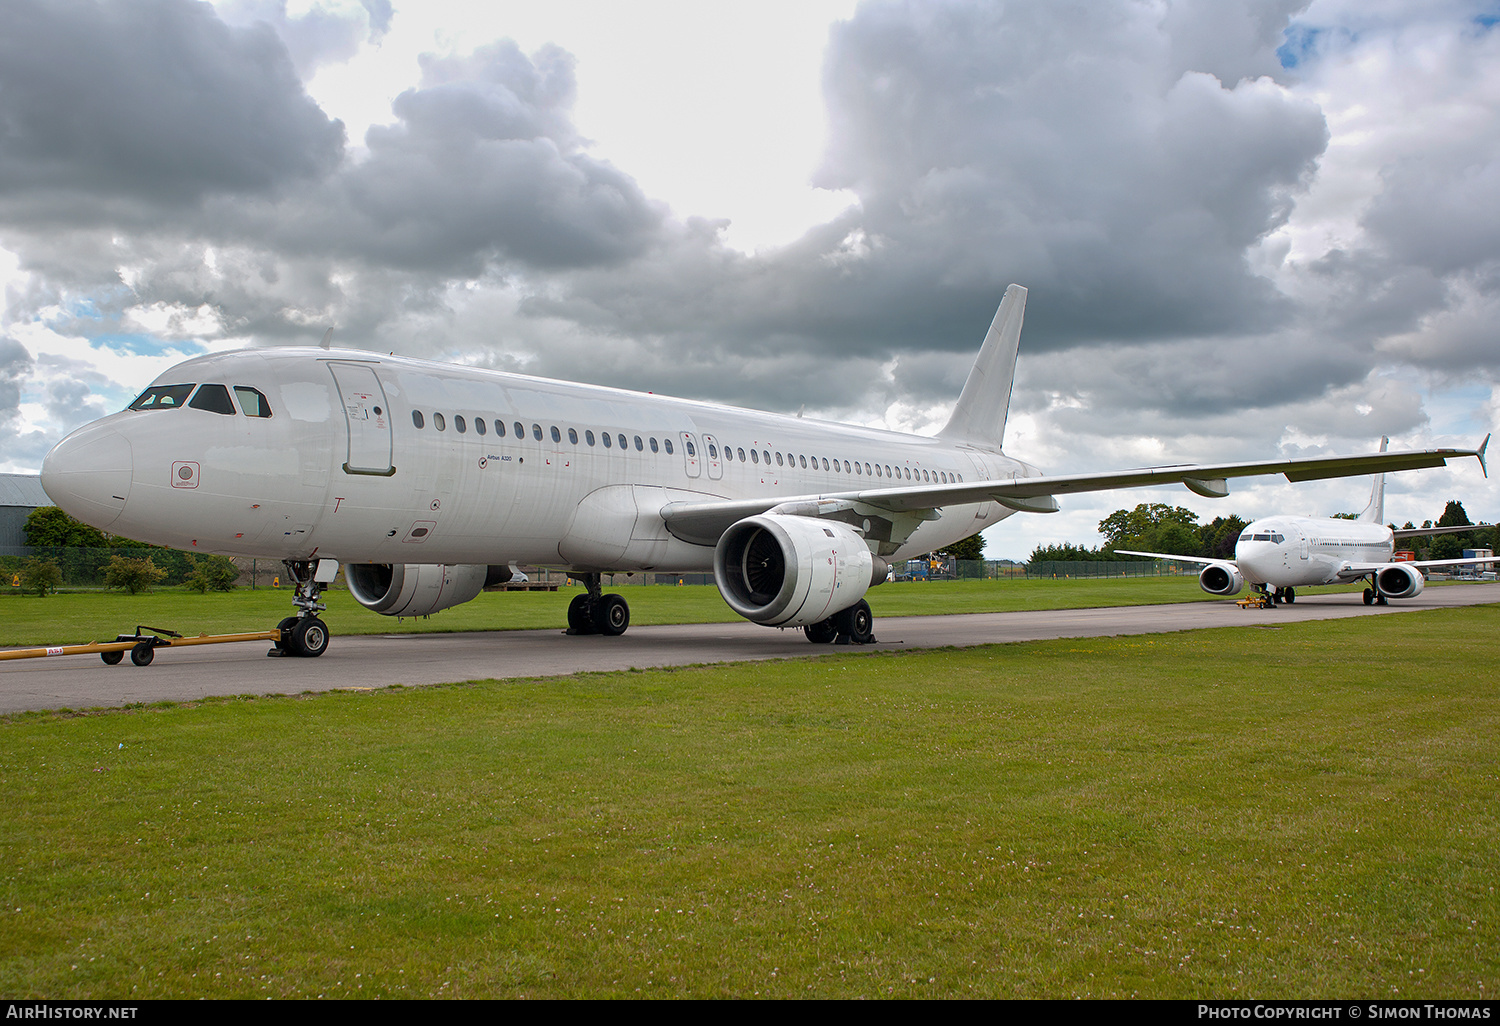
[{"x": 88, "y": 475}]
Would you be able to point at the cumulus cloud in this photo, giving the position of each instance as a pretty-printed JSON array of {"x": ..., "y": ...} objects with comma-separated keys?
[
  {"x": 15, "y": 366},
  {"x": 484, "y": 164},
  {"x": 112, "y": 110},
  {"x": 324, "y": 33}
]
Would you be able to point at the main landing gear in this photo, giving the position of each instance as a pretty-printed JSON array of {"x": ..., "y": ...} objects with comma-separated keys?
[
  {"x": 1374, "y": 598},
  {"x": 1265, "y": 598},
  {"x": 596, "y": 613},
  {"x": 304, "y": 634},
  {"x": 852, "y": 626}
]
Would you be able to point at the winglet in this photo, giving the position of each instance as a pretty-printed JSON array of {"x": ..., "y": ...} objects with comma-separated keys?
[
  {"x": 980, "y": 414},
  {"x": 327, "y": 337},
  {"x": 1374, "y": 512},
  {"x": 1480, "y": 453}
]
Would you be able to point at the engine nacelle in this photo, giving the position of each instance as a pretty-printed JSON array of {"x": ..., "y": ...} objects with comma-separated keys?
[
  {"x": 418, "y": 589},
  {"x": 789, "y": 571},
  {"x": 1399, "y": 580},
  {"x": 1221, "y": 579}
]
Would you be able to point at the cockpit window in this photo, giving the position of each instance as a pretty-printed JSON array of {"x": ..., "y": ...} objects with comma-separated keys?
[
  {"x": 162, "y": 397},
  {"x": 214, "y": 399},
  {"x": 252, "y": 401}
]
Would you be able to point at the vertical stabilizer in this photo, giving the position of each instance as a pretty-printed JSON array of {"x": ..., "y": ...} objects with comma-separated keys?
[
  {"x": 980, "y": 414},
  {"x": 1375, "y": 512}
]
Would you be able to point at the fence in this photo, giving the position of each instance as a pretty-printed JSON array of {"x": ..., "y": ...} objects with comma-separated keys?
[
  {"x": 84, "y": 568},
  {"x": 1106, "y": 568}
]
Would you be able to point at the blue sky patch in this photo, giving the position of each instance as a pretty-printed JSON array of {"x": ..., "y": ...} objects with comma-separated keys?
[
  {"x": 1301, "y": 44},
  {"x": 1460, "y": 411},
  {"x": 145, "y": 345}
]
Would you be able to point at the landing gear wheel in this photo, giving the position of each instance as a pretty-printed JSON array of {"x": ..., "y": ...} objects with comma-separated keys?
[
  {"x": 579, "y": 620},
  {"x": 309, "y": 637},
  {"x": 611, "y": 615},
  {"x": 111, "y": 658},
  {"x": 1369, "y": 596},
  {"x": 857, "y": 622},
  {"x": 142, "y": 654},
  {"x": 1291, "y": 595},
  {"x": 284, "y": 626},
  {"x": 821, "y": 633}
]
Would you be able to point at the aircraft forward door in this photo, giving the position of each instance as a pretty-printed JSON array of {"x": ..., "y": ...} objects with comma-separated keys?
[{"x": 367, "y": 415}]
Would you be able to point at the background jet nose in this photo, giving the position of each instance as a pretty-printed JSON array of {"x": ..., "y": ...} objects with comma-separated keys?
[{"x": 88, "y": 475}]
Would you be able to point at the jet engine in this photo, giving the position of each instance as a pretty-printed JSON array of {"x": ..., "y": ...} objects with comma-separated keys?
[
  {"x": 1221, "y": 579},
  {"x": 418, "y": 589},
  {"x": 1399, "y": 580},
  {"x": 791, "y": 571}
]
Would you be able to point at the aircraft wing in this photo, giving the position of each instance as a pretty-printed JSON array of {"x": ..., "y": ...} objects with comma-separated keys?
[
  {"x": 1355, "y": 571},
  {"x": 1167, "y": 555},
  {"x": 1423, "y": 532},
  {"x": 703, "y": 522}
]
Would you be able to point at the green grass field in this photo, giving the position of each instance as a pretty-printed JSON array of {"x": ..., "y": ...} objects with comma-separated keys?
[
  {"x": 1303, "y": 810},
  {"x": 77, "y": 618}
]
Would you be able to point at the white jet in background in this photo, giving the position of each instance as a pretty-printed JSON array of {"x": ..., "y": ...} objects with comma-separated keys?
[
  {"x": 427, "y": 481},
  {"x": 1285, "y": 553}
]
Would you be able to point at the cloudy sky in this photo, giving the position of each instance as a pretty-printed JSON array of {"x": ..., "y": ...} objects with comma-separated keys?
[{"x": 1250, "y": 228}]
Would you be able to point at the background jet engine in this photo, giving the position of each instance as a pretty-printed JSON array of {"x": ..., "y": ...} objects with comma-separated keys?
[
  {"x": 1221, "y": 579},
  {"x": 417, "y": 589},
  {"x": 1399, "y": 581},
  {"x": 789, "y": 571}
]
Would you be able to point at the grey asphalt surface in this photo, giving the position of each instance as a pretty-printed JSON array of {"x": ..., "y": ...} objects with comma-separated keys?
[{"x": 374, "y": 661}]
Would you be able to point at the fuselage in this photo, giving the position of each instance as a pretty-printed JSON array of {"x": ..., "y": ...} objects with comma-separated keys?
[
  {"x": 1291, "y": 552},
  {"x": 373, "y": 459}
]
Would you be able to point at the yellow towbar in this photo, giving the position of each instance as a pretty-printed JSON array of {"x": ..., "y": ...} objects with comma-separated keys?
[{"x": 141, "y": 645}]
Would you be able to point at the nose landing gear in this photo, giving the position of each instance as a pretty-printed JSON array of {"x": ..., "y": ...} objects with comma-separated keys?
[{"x": 304, "y": 634}]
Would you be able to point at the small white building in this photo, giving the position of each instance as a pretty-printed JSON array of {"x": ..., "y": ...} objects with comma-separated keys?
[{"x": 19, "y": 495}]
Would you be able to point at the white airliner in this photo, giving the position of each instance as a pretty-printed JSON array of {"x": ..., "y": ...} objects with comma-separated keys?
[
  {"x": 425, "y": 481},
  {"x": 1284, "y": 553}
]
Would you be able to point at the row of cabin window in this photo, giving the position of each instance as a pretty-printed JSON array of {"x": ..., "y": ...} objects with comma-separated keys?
[
  {"x": 806, "y": 462},
  {"x": 462, "y": 426},
  {"x": 211, "y": 397},
  {"x": 756, "y": 455}
]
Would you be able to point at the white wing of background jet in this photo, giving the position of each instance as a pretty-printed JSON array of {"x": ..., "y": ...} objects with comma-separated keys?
[
  {"x": 1354, "y": 571},
  {"x": 703, "y": 522}
]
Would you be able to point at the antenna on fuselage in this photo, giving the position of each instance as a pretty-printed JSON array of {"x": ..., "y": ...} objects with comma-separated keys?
[{"x": 327, "y": 337}]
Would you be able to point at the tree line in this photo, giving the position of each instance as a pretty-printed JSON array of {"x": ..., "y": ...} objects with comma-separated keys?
[{"x": 84, "y": 554}]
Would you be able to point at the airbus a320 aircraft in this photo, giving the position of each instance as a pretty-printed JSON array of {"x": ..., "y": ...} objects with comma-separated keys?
[
  {"x": 1284, "y": 553},
  {"x": 425, "y": 481}
]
